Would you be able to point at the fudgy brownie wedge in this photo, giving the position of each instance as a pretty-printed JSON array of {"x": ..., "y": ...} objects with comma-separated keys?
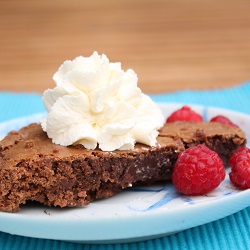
[
  {"x": 33, "y": 168},
  {"x": 222, "y": 138}
]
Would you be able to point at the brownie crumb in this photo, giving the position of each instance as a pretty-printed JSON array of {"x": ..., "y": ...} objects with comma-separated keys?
[
  {"x": 55, "y": 150},
  {"x": 46, "y": 212},
  {"x": 29, "y": 144}
]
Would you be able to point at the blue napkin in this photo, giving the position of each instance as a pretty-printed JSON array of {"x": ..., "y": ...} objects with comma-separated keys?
[{"x": 232, "y": 232}]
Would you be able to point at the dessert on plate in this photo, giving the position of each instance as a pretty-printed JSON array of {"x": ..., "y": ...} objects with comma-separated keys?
[{"x": 100, "y": 136}]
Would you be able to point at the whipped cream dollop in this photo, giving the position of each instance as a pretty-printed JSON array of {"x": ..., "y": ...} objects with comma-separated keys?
[{"x": 97, "y": 104}]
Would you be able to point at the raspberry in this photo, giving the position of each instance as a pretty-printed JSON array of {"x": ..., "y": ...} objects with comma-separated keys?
[
  {"x": 198, "y": 171},
  {"x": 240, "y": 168},
  {"x": 184, "y": 114},
  {"x": 223, "y": 119}
]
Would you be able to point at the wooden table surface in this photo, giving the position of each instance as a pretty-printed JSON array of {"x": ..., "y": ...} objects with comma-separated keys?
[{"x": 171, "y": 44}]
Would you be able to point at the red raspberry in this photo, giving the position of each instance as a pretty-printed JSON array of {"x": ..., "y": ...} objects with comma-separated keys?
[
  {"x": 240, "y": 164},
  {"x": 198, "y": 171},
  {"x": 184, "y": 114},
  {"x": 223, "y": 119}
]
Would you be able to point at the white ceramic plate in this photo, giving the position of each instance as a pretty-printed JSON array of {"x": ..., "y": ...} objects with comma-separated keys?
[{"x": 134, "y": 214}]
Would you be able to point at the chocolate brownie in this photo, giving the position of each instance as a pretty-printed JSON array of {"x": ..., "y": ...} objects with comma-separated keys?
[
  {"x": 33, "y": 168},
  {"x": 222, "y": 138}
]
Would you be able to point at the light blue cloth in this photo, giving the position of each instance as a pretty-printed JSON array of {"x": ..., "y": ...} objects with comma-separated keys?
[{"x": 232, "y": 232}]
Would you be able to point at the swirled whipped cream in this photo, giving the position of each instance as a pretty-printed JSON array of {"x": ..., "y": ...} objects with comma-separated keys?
[{"x": 97, "y": 104}]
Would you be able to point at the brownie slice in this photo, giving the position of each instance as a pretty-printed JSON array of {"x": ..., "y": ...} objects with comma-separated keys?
[
  {"x": 33, "y": 168},
  {"x": 222, "y": 138}
]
